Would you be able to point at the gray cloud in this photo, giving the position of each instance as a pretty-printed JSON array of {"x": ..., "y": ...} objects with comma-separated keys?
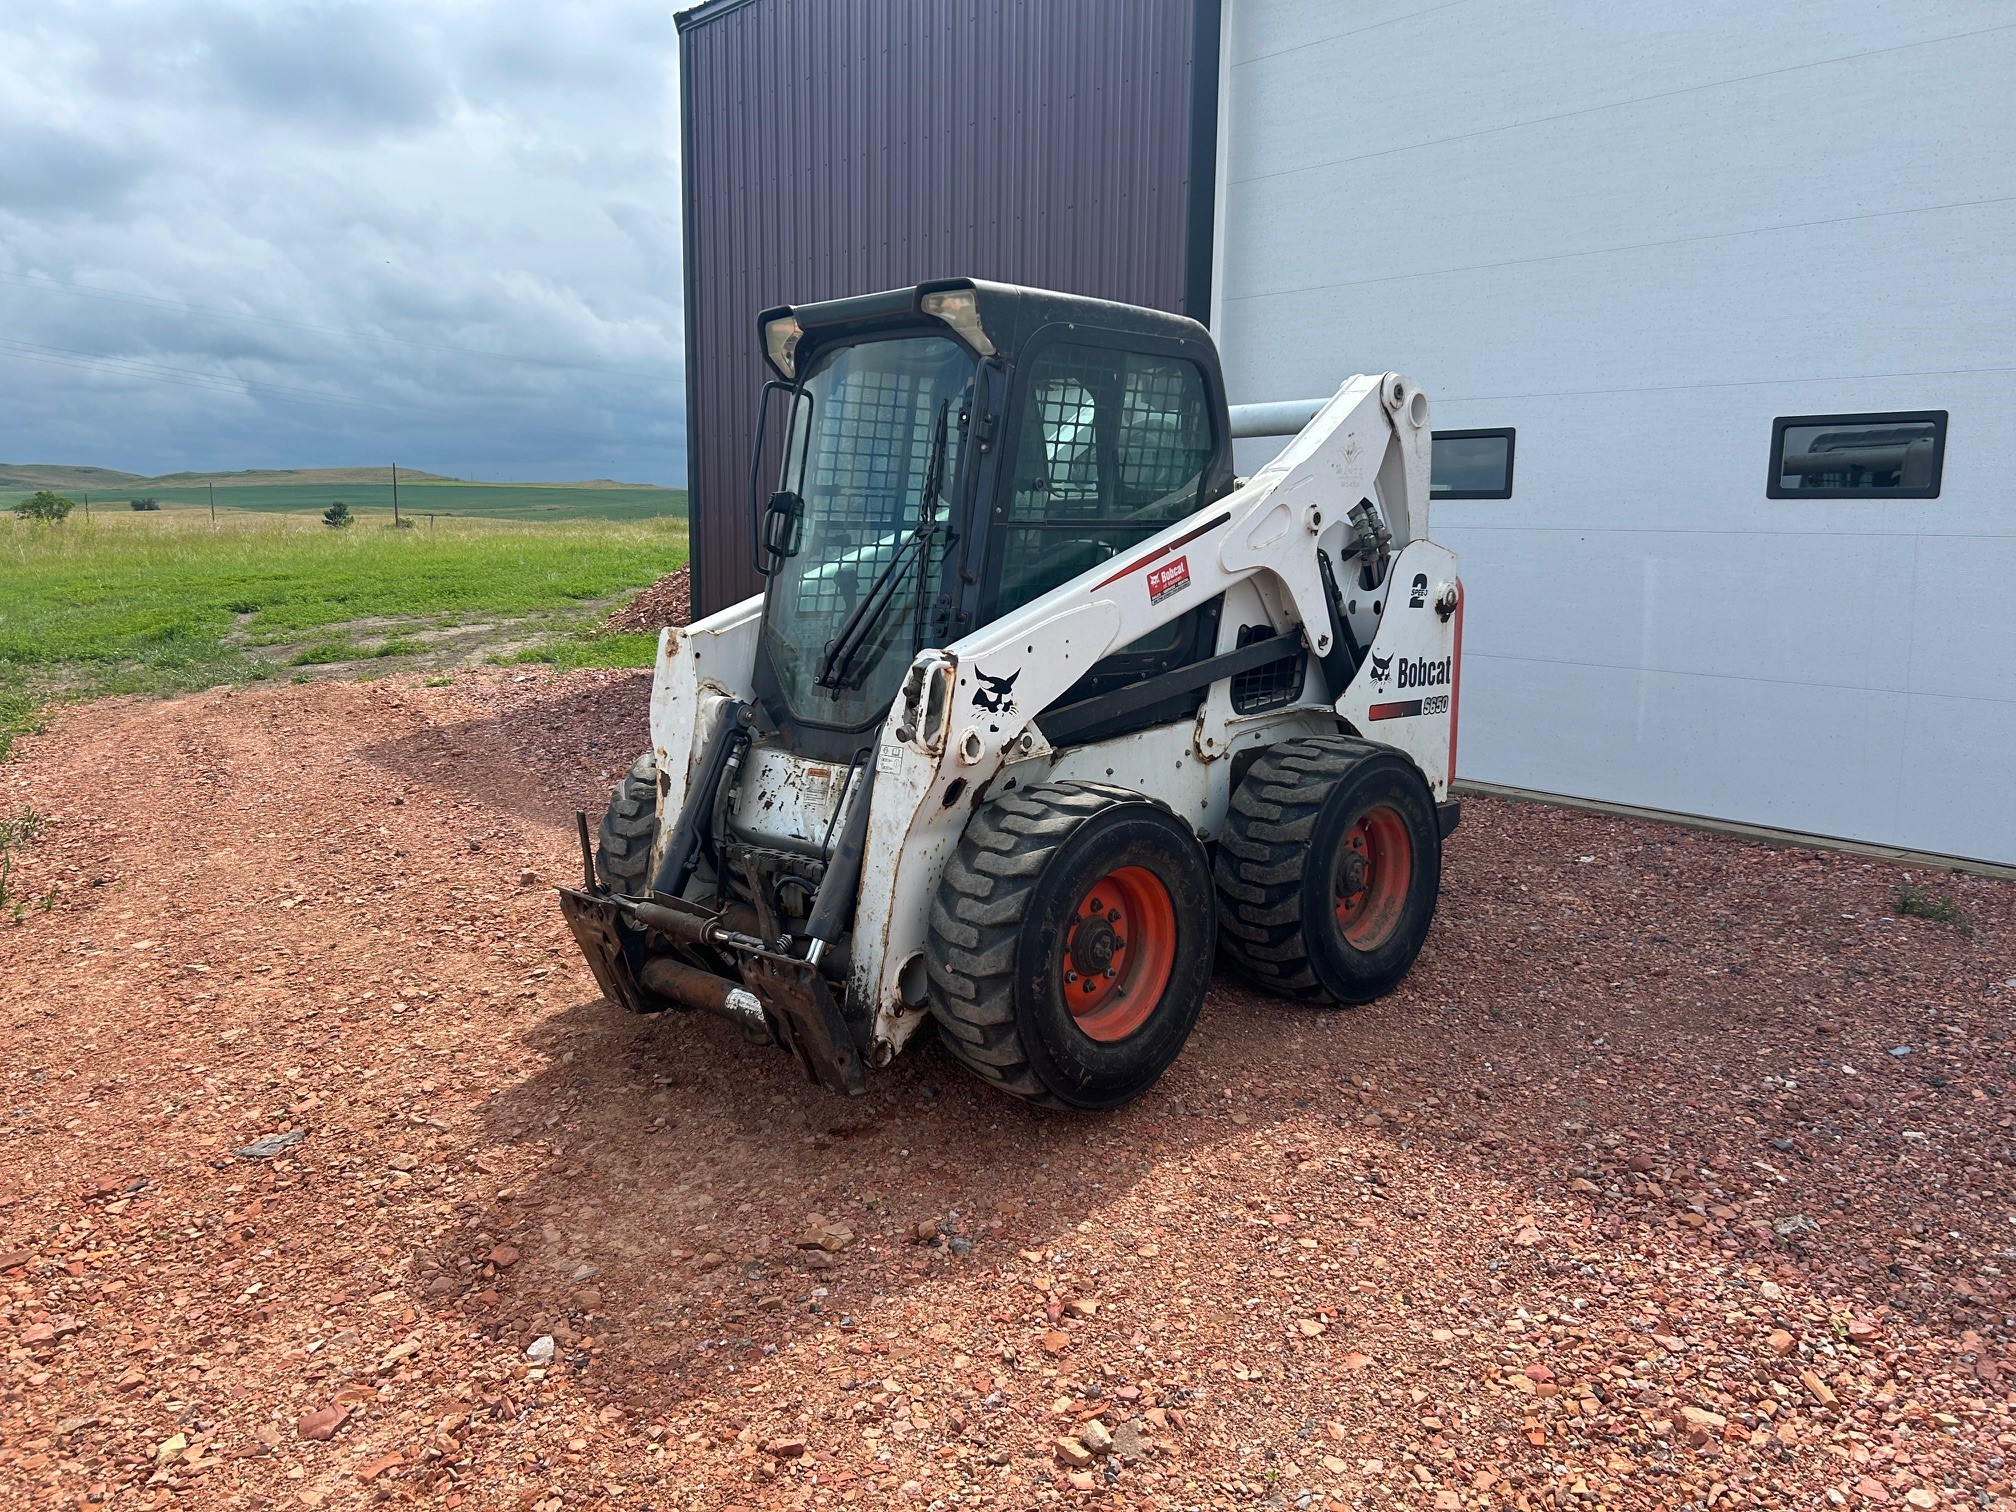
[
  {"x": 340, "y": 67},
  {"x": 256, "y": 235},
  {"x": 51, "y": 170}
]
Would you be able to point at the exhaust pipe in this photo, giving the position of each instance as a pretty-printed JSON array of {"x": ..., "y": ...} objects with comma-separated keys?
[{"x": 1285, "y": 417}]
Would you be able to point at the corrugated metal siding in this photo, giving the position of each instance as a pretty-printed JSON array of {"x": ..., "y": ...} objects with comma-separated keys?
[{"x": 836, "y": 147}]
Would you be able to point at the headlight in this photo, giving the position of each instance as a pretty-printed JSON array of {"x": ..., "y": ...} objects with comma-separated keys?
[
  {"x": 780, "y": 341},
  {"x": 959, "y": 309}
]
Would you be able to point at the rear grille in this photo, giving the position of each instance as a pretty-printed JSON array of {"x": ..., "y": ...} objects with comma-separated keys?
[{"x": 1273, "y": 686}]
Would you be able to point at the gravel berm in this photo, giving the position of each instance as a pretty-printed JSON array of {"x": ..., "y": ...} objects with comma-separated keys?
[
  {"x": 669, "y": 601},
  {"x": 1677, "y": 1174}
]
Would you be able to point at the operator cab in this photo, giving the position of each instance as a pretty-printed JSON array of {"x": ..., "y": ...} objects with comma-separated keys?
[{"x": 947, "y": 453}]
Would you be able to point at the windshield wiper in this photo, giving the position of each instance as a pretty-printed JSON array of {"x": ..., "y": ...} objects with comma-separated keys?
[{"x": 838, "y": 668}]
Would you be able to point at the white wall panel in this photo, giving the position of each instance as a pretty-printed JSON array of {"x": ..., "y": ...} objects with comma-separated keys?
[
  {"x": 1637, "y": 232},
  {"x": 1693, "y": 602},
  {"x": 1953, "y": 794},
  {"x": 1667, "y": 740},
  {"x": 1962, "y": 635}
]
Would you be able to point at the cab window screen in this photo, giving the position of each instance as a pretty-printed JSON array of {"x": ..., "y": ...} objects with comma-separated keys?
[
  {"x": 1113, "y": 447},
  {"x": 1893, "y": 456}
]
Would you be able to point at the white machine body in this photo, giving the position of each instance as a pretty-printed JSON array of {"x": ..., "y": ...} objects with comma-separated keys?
[{"x": 969, "y": 724}]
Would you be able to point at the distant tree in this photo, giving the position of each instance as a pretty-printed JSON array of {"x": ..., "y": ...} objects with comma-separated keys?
[
  {"x": 147, "y": 503},
  {"x": 45, "y": 505},
  {"x": 337, "y": 515}
]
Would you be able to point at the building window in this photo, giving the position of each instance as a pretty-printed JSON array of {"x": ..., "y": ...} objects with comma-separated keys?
[
  {"x": 1858, "y": 456},
  {"x": 1471, "y": 464}
]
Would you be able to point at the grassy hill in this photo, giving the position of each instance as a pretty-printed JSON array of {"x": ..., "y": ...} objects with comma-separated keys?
[
  {"x": 33, "y": 475},
  {"x": 260, "y": 476},
  {"x": 63, "y": 476}
]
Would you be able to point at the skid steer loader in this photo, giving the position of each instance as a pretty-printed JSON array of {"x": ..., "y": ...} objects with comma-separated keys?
[{"x": 1041, "y": 708}]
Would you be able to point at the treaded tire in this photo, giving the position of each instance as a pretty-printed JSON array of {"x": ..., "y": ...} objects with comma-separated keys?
[
  {"x": 1008, "y": 909},
  {"x": 1281, "y": 857},
  {"x": 629, "y": 825}
]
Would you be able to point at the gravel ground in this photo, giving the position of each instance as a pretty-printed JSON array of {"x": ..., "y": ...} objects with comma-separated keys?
[
  {"x": 669, "y": 601},
  {"x": 1678, "y": 1174}
]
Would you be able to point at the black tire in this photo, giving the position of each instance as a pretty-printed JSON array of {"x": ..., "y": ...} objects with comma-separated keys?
[
  {"x": 629, "y": 824},
  {"x": 1287, "y": 916},
  {"x": 1014, "y": 913}
]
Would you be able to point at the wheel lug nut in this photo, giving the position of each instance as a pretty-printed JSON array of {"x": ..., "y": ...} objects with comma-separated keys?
[
  {"x": 1097, "y": 906},
  {"x": 1113, "y": 917},
  {"x": 1111, "y": 972},
  {"x": 1118, "y": 943}
]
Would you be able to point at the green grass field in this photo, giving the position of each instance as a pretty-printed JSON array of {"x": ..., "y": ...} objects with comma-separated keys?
[
  {"x": 489, "y": 501},
  {"x": 168, "y": 602}
]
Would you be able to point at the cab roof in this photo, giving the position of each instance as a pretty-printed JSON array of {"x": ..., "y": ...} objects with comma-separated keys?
[{"x": 1009, "y": 314}]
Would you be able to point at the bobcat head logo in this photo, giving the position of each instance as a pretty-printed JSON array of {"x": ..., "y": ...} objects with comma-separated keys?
[
  {"x": 1381, "y": 667},
  {"x": 995, "y": 695}
]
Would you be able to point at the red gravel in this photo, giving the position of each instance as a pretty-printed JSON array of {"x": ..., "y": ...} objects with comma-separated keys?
[
  {"x": 669, "y": 601},
  {"x": 1624, "y": 1200}
]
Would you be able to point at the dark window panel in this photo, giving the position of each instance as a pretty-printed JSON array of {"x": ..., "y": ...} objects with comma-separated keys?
[
  {"x": 1886, "y": 456},
  {"x": 1471, "y": 464}
]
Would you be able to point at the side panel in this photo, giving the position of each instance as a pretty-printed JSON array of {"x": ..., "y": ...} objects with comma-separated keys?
[
  {"x": 711, "y": 658},
  {"x": 1638, "y": 233},
  {"x": 1405, "y": 695}
]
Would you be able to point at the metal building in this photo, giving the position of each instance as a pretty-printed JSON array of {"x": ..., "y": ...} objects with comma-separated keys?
[
  {"x": 1643, "y": 237},
  {"x": 1713, "y": 302},
  {"x": 836, "y": 147}
]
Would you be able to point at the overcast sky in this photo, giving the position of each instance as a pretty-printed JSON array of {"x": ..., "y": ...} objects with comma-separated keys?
[{"x": 266, "y": 234}]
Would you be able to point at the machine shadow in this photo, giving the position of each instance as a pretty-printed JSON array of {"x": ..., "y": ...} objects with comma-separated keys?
[
  {"x": 661, "y": 1175},
  {"x": 664, "y": 1174}
]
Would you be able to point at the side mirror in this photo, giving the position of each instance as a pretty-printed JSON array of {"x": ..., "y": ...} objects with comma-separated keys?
[
  {"x": 783, "y": 525},
  {"x": 761, "y": 519}
]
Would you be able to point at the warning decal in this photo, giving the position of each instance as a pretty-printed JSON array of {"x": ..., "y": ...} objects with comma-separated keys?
[{"x": 1170, "y": 577}]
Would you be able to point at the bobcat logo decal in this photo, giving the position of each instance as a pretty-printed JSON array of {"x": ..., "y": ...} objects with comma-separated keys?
[
  {"x": 995, "y": 695},
  {"x": 1382, "y": 667}
]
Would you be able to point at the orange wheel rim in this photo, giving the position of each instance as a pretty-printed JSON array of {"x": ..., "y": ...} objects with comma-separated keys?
[
  {"x": 1119, "y": 952},
  {"x": 1375, "y": 870}
]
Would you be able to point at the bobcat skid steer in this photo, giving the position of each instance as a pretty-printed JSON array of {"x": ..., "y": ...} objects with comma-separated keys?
[{"x": 1041, "y": 708}]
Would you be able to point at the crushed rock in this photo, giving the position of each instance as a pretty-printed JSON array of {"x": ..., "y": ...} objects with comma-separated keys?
[
  {"x": 1515, "y": 1236},
  {"x": 669, "y": 601}
]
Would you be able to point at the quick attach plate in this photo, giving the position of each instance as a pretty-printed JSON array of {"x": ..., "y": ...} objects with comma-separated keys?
[
  {"x": 807, "y": 1019},
  {"x": 598, "y": 930},
  {"x": 798, "y": 1003}
]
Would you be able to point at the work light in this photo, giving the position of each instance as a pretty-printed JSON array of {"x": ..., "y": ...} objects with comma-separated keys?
[
  {"x": 780, "y": 340},
  {"x": 959, "y": 309}
]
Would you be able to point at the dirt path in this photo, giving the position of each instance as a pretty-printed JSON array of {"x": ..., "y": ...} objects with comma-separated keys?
[{"x": 1678, "y": 1174}]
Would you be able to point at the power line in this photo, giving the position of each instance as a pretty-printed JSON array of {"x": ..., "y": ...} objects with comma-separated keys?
[{"x": 151, "y": 301}]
